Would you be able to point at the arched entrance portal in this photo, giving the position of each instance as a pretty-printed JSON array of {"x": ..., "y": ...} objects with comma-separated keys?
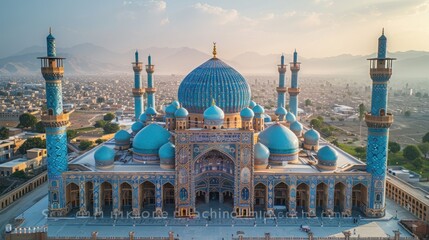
[
  {"x": 214, "y": 181},
  {"x": 360, "y": 197}
]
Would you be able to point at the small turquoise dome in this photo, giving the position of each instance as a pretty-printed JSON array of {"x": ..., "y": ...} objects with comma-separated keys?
[
  {"x": 150, "y": 139},
  {"x": 167, "y": 155},
  {"x": 136, "y": 127},
  {"x": 247, "y": 113},
  {"x": 167, "y": 151},
  {"x": 104, "y": 157},
  {"x": 261, "y": 152},
  {"x": 181, "y": 113},
  {"x": 296, "y": 126},
  {"x": 170, "y": 109},
  {"x": 214, "y": 113},
  {"x": 290, "y": 117},
  {"x": 267, "y": 118},
  {"x": 143, "y": 117},
  {"x": 150, "y": 111},
  {"x": 279, "y": 139},
  {"x": 311, "y": 137},
  {"x": 122, "y": 136},
  {"x": 252, "y": 104},
  {"x": 258, "y": 109},
  {"x": 281, "y": 111},
  {"x": 327, "y": 153},
  {"x": 176, "y": 103}
]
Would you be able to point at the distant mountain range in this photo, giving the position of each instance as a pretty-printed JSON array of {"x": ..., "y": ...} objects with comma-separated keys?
[{"x": 92, "y": 59}]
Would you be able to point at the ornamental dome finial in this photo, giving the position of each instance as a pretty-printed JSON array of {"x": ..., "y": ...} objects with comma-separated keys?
[
  {"x": 51, "y": 31},
  {"x": 213, "y": 102},
  {"x": 214, "y": 50}
]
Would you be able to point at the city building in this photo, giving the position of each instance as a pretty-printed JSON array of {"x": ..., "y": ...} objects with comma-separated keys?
[
  {"x": 214, "y": 146},
  {"x": 35, "y": 159}
]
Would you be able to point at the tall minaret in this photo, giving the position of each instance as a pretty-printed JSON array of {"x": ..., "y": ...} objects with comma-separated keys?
[
  {"x": 150, "y": 90},
  {"x": 138, "y": 90},
  {"x": 378, "y": 122},
  {"x": 55, "y": 122},
  {"x": 281, "y": 90},
  {"x": 294, "y": 89}
]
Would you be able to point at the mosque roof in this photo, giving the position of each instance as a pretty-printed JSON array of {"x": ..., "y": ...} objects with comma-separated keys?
[
  {"x": 327, "y": 153},
  {"x": 150, "y": 139},
  {"x": 252, "y": 104},
  {"x": 290, "y": 117},
  {"x": 296, "y": 126},
  {"x": 261, "y": 151},
  {"x": 281, "y": 111},
  {"x": 311, "y": 136},
  {"x": 258, "y": 109},
  {"x": 171, "y": 109},
  {"x": 214, "y": 79},
  {"x": 279, "y": 139},
  {"x": 104, "y": 154}
]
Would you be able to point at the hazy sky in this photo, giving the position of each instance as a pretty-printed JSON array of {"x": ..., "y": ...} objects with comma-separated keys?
[{"x": 317, "y": 28}]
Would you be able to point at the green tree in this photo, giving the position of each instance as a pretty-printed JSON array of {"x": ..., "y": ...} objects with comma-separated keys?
[
  {"x": 100, "y": 100},
  {"x": 111, "y": 128},
  {"x": 425, "y": 137},
  {"x": 4, "y": 133},
  {"x": 308, "y": 102},
  {"x": 84, "y": 145},
  {"x": 394, "y": 147},
  {"x": 39, "y": 127},
  {"x": 27, "y": 120},
  {"x": 326, "y": 131},
  {"x": 335, "y": 142},
  {"x": 71, "y": 134},
  {"x": 100, "y": 124},
  {"x": 99, "y": 141},
  {"x": 109, "y": 117},
  {"x": 418, "y": 163},
  {"x": 407, "y": 113},
  {"x": 411, "y": 152},
  {"x": 32, "y": 143},
  {"x": 320, "y": 118},
  {"x": 316, "y": 123},
  {"x": 424, "y": 148},
  {"x": 19, "y": 174}
]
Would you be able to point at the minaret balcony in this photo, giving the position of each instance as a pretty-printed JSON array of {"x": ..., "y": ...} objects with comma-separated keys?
[
  {"x": 137, "y": 67},
  {"x": 138, "y": 91},
  {"x": 150, "y": 68},
  {"x": 379, "y": 121},
  {"x": 380, "y": 72},
  {"x": 60, "y": 120},
  {"x": 150, "y": 90},
  {"x": 293, "y": 91},
  {"x": 282, "y": 68},
  {"x": 295, "y": 66},
  {"x": 281, "y": 89},
  {"x": 53, "y": 70}
]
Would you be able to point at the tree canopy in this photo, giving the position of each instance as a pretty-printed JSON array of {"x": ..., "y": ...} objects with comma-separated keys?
[
  {"x": 4, "y": 133},
  {"x": 109, "y": 117},
  {"x": 411, "y": 152},
  {"x": 111, "y": 128},
  {"x": 27, "y": 120},
  {"x": 394, "y": 147},
  {"x": 425, "y": 137},
  {"x": 39, "y": 127},
  {"x": 84, "y": 145},
  {"x": 32, "y": 143}
]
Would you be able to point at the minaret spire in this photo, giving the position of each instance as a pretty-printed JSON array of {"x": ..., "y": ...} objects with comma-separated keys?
[
  {"x": 138, "y": 89},
  {"x": 150, "y": 90},
  {"x": 378, "y": 122}
]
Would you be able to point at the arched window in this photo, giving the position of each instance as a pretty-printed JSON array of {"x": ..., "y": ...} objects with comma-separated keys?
[
  {"x": 382, "y": 112},
  {"x": 50, "y": 112}
]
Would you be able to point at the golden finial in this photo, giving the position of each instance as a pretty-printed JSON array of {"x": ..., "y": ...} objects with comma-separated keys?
[
  {"x": 214, "y": 50},
  {"x": 213, "y": 101}
]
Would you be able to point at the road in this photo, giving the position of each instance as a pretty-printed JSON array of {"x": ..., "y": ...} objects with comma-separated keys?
[{"x": 22, "y": 204}]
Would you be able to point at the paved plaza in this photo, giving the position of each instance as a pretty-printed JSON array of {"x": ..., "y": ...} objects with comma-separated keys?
[{"x": 216, "y": 228}]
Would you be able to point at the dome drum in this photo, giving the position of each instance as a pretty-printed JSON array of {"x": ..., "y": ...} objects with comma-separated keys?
[
  {"x": 104, "y": 165},
  {"x": 213, "y": 124},
  {"x": 311, "y": 146},
  {"x": 104, "y": 158},
  {"x": 311, "y": 140},
  {"x": 152, "y": 159},
  {"x": 122, "y": 140},
  {"x": 282, "y": 159},
  {"x": 327, "y": 165},
  {"x": 167, "y": 163}
]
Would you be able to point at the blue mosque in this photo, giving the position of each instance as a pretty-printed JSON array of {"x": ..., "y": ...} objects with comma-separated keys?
[{"x": 215, "y": 147}]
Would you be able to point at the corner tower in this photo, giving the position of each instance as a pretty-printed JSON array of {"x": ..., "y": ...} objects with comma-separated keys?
[
  {"x": 294, "y": 90},
  {"x": 138, "y": 90},
  {"x": 55, "y": 121},
  {"x": 378, "y": 122},
  {"x": 281, "y": 90},
  {"x": 150, "y": 90}
]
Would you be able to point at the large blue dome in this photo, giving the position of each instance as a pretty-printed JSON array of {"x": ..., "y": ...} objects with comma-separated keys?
[
  {"x": 150, "y": 139},
  {"x": 279, "y": 139},
  {"x": 216, "y": 80},
  {"x": 104, "y": 157}
]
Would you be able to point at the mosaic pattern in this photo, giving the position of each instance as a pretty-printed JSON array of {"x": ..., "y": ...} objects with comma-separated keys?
[
  {"x": 56, "y": 145},
  {"x": 54, "y": 97},
  {"x": 379, "y": 98}
]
